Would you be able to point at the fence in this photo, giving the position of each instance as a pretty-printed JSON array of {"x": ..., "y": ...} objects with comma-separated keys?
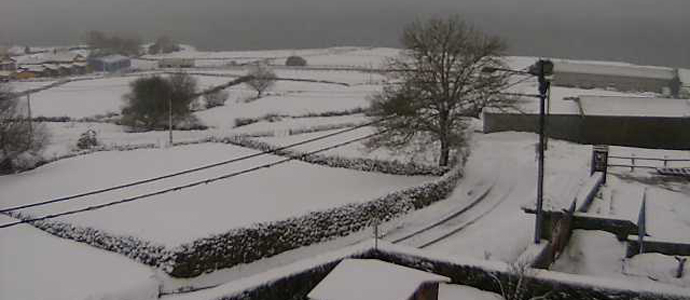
[{"x": 664, "y": 162}]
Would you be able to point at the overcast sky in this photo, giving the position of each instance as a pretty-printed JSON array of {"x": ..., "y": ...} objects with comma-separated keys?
[{"x": 640, "y": 31}]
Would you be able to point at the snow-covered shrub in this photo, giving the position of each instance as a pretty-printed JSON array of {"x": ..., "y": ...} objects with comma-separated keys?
[
  {"x": 360, "y": 164},
  {"x": 216, "y": 99},
  {"x": 87, "y": 140},
  {"x": 295, "y": 61}
]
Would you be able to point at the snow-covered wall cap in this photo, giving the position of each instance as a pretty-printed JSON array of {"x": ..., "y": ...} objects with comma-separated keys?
[{"x": 371, "y": 279}]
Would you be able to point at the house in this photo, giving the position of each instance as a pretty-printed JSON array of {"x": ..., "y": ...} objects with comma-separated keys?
[
  {"x": 8, "y": 64},
  {"x": 176, "y": 63},
  {"x": 371, "y": 279},
  {"x": 619, "y": 77},
  {"x": 110, "y": 63}
]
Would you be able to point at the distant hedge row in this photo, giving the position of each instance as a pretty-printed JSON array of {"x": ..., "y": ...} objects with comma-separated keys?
[{"x": 360, "y": 164}]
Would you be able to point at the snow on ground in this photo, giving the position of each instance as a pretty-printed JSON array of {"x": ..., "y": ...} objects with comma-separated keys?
[
  {"x": 599, "y": 253},
  {"x": 36, "y": 265},
  {"x": 266, "y": 195},
  {"x": 21, "y": 86},
  {"x": 454, "y": 292},
  {"x": 354, "y": 150},
  {"x": 497, "y": 228},
  {"x": 81, "y": 98},
  {"x": 668, "y": 209},
  {"x": 288, "y": 98}
]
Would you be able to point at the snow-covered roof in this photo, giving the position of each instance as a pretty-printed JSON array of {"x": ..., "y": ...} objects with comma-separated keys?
[
  {"x": 365, "y": 279},
  {"x": 635, "y": 106},
  {"x": 6, "y": 73},
  {"x": 112, "y": 58},
  {"x": 614, "y": 70},
  {"x": 58, "y": 57},
  {"x": 684, "y": 75},
  {"x": 33, "y": 68}
]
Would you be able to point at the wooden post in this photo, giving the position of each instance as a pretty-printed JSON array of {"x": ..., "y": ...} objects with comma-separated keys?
[
  {"x": 632, "y": 159},
  {"x": 681, "y": 266},
  {"x": 665, "y": 161},
  {"x": 642, "y": 222}
]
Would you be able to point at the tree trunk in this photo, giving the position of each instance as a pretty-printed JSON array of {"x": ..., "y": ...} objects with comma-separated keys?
[{"x": 445, "y": 152}]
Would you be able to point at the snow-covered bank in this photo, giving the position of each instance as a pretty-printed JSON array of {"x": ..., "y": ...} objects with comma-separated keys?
[{"x": 36, "y": 265}]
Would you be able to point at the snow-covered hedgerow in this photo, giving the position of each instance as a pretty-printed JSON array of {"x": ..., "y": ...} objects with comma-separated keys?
[
  {"x": 141, "y": 251},
  {"x": 359, "y": 164},
  {"x": 248, "y": 244}
]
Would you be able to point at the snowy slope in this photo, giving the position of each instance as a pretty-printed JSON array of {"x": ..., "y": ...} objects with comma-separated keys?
[{"x": 36, "y": 265}]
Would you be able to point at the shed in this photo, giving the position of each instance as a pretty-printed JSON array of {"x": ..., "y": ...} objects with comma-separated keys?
[
  {"x": 365, "y": 279},
  {"x": 110, "y": 63}
]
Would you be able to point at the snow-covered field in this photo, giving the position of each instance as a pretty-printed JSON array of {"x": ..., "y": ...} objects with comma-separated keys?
[
  {"x": 36, "y": 265},
  {"x": 495, "y": 229},
  {"x": 171, "y": 219}
]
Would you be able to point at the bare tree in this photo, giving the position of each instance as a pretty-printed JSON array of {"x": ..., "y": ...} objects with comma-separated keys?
[
  {"x": 435, "y": 82},
  {"x": 517, "y": 282},
  {"x": 20, "y": 141},
  {"x": 262, "y": 78}
]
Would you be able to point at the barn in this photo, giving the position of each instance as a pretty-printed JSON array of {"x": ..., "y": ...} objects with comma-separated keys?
[{"x": 110, "y": 63}]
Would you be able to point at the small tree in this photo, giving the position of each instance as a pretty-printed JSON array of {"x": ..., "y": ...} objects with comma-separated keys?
[
  {"x": 87, "y": 140},
  {"x": 435, "y": 83},
  {"x": 216, "y": 99},
  {"x": 263, "y": 78},
  {"x": 20, "y": 141},
  {"x": 164, "y": 44},
  {"x": 295, "y": 61},
  {"x": 147, "y": 104}
]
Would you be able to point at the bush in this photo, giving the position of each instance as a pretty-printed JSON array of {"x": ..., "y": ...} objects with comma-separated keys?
[
  {"x": 87, "y": 140},
  {"x": 150, "y": 97},
  {"x": 216, "y": 99},
  {"x": 21, "y": 140},
  {"x": 295, "y": 61}
]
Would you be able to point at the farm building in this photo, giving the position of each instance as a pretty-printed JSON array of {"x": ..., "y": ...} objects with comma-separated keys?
[
  {"x": 618, "y": 77},
  {"x": 658, "y": 123},
  {"x": 110, "y": 63},
  {"x": 52, "y": 64},
  {"x": 7, "y": 64},
  {"x": 176, "y": 63},
  {"x": 365, "y": 279}
]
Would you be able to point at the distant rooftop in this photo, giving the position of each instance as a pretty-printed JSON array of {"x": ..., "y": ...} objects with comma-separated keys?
[
  {"x": 615, "y": 70},
  {"x": 370, "y": 279},
  {"x": 112, "y": 58},
  {"x": 634, "y": 106}
]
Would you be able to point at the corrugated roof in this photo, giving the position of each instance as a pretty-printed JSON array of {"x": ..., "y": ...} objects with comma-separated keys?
[
  {"x": 635, "y": 106},
  {"x": 613, "y": 70}
]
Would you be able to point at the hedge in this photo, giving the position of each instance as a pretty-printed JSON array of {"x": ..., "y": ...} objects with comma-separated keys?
[
  {"x": 360, "y": 164},
  {"x": 248, "y": 244}
]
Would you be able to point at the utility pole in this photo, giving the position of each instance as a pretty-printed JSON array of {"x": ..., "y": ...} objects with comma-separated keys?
[
  {"x": 543, "y": 67},
  {"x": 31, "y": 121},
  {"x": 170, "y": 131}
]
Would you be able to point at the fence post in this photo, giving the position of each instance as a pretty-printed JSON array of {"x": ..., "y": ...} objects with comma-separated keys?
[
  {"x": 665, "y": 161},
  {"x": 632, "y": 159}
]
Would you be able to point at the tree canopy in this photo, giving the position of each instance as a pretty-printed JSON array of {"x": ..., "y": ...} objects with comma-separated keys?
[{"x": 436, "y": 82}]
